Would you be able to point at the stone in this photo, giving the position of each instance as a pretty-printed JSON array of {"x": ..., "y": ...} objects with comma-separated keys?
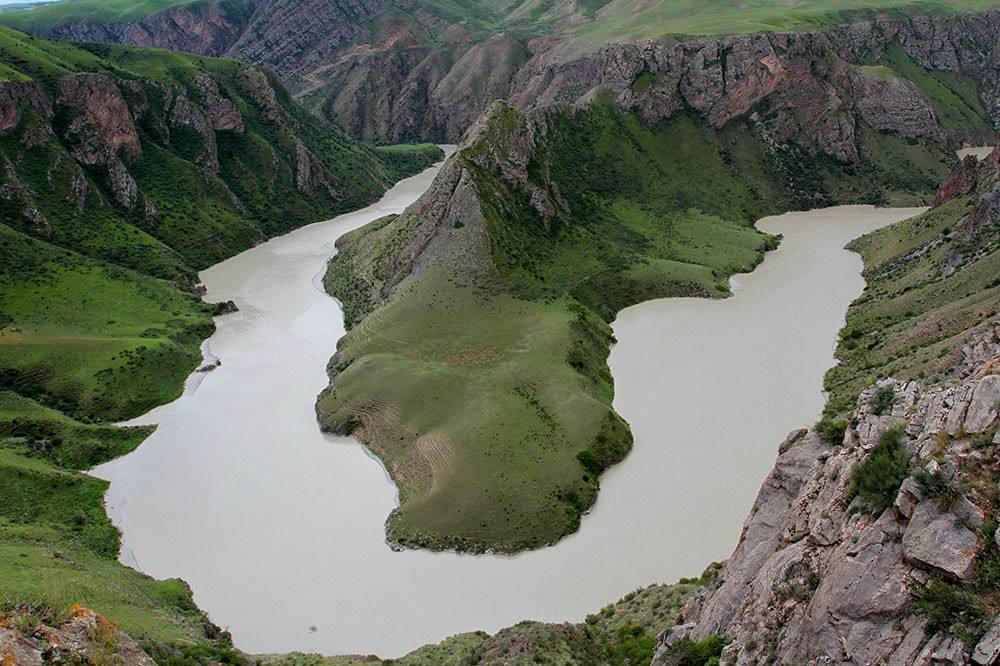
[
  {"x": 987, "y": 650},
  {"x": 982, "y": 410},
  {"x": 937, "y": 539},
  {"x": 910, "y": 494}
]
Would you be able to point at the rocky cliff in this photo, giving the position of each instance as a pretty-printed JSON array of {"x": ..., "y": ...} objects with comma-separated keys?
[
  {"x": 874, "y": 539},
  {"x": 395, "y": 71}
]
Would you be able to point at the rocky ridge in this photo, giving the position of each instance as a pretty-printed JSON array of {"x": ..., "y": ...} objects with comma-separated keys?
[{"x": 390, "y": 82}]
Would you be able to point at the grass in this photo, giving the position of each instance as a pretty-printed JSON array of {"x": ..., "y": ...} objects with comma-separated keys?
[
  {"x": 876, "y": 478},
  {"x": 99, "y": 321},
  {"x": 627, "y": 19},
  {"x": 913, "y": 317},
  {"x": 46, "y": 17},
  {"x": 486, "y": 392}
]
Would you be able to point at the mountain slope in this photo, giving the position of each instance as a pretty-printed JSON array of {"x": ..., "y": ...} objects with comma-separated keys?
[
  {"x": 123, "y": 172},
  {"x": 123, "y": 169},
  {"x": 393, "y": 70}
]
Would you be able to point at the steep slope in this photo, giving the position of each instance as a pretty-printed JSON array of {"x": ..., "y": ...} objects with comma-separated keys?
[
  {"x": 122, "y": 172},
  {"x": 156, "y": 164},
  {"x": 394, "y": 70},
  {"x": 873, "y": 540}
]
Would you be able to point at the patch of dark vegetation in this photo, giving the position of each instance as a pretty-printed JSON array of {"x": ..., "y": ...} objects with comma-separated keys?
[
  {"x": 831, "y": 430},
  {"x": 876, "y": 479},
  {"x": 705, "y": 652}
]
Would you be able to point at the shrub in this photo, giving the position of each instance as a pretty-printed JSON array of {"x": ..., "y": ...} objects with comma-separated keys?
[
  {"x": 590, "y": 462},
  {"x": 952, "y": 609},
  {"x": 877, "y": 478},
  {"x": 938, "y": 484},
  {"x": 831, "y": 430},
  {"x": 702, "y": 653},
  {"x": 883, "y": 400},
  {"x": 632, "y": 646}
]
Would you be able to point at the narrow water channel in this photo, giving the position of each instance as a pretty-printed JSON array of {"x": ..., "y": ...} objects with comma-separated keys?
[{"x": 279, "y": 529}]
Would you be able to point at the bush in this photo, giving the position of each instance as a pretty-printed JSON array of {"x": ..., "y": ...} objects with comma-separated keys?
[
  {"x": 702, "y": 653},
  {"x": 952, "y": 609},
  {"x": 883, "y": 400},
  {"x": 831, "y": 430},
  {"x": 877, "y": 478}
]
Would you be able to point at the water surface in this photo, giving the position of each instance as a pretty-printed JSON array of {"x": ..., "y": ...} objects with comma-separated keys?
[
  {"x": 979, "y": 151},
  {"x": 279, "y": 529}
]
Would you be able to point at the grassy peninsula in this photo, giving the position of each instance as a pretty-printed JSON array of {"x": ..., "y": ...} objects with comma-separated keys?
[{"x": 476, "y": 367}]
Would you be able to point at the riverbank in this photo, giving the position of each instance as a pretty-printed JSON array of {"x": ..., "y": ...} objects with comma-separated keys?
[{"x": 304, "y": 512}]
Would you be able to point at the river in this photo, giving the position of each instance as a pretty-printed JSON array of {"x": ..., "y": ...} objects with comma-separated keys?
[{"x": 278, "y": 528}]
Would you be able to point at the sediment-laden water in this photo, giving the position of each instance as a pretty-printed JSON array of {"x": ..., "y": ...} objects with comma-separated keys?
[{"x": 279, "y": 528}]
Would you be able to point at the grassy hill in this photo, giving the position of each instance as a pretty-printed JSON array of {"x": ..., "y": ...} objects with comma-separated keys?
[
  {"x": 931, "y": 279},
  {"x": 620, "y": 19},
  {"x": 477, "y": 366},
  {"x": 124, "y": 171}
]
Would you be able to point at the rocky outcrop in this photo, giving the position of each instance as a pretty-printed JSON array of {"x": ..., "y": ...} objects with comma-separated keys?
[
  {"x": 816, "y": 580},
  {"x": 961, "y": 181},
  {"x": 103, "y": 126},
  {"x": 82, "y": 637}
]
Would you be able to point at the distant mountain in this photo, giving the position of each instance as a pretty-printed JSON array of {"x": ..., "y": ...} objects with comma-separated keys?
[{"x": 404, "y": 70}]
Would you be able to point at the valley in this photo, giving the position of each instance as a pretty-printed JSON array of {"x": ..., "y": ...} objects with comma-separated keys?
[{"x": 568, "y": 351}]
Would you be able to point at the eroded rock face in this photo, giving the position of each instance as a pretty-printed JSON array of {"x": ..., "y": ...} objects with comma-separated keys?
[
  {"x": 817, "y": 580},
  {"x": 396, "y": 86},
  {"x": 207, "y": 28},
  {"x": 104, "y": 125}
]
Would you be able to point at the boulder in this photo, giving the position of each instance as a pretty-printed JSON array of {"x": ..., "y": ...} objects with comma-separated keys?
[
  {"x": 982, "y": 410},
  {"x": 987, "y": 651},
  {"x": 910, "y": 494},
  {"x": 937, "y": 539}
]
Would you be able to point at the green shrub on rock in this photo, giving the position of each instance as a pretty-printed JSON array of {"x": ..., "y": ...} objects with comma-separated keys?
[{"x": 876, "y": 479}]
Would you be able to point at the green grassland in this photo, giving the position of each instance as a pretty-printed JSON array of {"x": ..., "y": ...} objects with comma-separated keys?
[
  {"x": 602, "y": 20},
  {"x": 916, "y": 312},
  {"x": 46, "y": 17},
  {"x": 629, "y": 19},
  {"x": 486, "y": 391},
  {"x": 99, "y": 321}
]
